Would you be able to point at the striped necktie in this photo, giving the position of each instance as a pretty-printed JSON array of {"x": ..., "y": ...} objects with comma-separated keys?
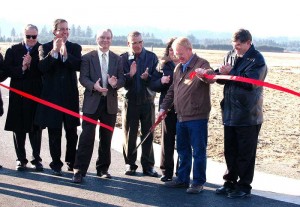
[{"x": 104, "y": 68}]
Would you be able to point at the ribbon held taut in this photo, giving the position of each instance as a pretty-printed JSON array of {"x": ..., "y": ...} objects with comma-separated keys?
[
  {"x": 248, "y": 80},
  {"x": 57, "y": 107}
]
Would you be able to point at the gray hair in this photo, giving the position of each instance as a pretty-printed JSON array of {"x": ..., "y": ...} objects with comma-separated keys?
[{"x": 30, "y": 26}]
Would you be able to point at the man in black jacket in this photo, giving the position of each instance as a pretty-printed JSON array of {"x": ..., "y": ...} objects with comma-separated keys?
[
  {"x": 21, "y": 65},
  {"x": 59, "y": 61},
  {"x": 242, "y": 114},
  {"x": 139, "y": 65}
]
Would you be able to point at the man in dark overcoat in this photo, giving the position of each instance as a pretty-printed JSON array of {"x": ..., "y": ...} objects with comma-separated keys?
[
  {"x": 59, "y": 61},
  {"x": 21, "y": 65}
]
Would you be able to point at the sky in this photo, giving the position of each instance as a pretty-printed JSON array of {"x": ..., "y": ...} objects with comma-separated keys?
[{"x": 262, "y": 18}]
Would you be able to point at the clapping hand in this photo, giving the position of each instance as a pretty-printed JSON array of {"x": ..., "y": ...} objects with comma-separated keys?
[
  {"x": 112, "y": 80},
  {"x": 145, "y": 75},
  {"x": 132, "y": 69},
  {"x": 165, "y": 79},
  {"x": 26, "y": 61},
  {"x": 98, "y": 88}
]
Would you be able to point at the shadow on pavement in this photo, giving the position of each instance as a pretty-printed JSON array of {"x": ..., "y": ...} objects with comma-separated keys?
[{"x": 102, "y": 192}]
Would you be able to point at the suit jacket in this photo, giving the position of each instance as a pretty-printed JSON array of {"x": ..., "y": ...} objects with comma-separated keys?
[
  {"x": 59, "y": 86},
  {"x": 21, "y": 111},
  {"x": 90, "y": 72}
]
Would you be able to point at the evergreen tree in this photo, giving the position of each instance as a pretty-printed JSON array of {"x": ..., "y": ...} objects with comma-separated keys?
[
  {"x": 13, "y": 32},
  {"x": 89, "y": 32}
]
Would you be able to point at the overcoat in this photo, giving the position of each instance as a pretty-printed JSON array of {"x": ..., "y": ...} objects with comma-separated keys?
[
  {"x": 21, "y": 110},
  {"x": 59, "y": 86}
]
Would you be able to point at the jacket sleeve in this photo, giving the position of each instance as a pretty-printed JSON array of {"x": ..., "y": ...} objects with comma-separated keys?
[
  {"x": 46, "y": 62},
  {"x": 126, "y": 67},
  {"x": 84, "y": 76},
  {"x": 120, "y": 77},
  {"x": 156, "y": 84},
  {"x": 74, "y": 58},
  {"x": 154, "y": 74},
  {"x": 3, "y": 75},
  {"x": 169, "y": 98}
]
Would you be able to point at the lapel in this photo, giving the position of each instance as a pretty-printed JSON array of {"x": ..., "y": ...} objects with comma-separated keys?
[
  {"x": 96, "y": 64},
  {"x": 110, "y": 63}
]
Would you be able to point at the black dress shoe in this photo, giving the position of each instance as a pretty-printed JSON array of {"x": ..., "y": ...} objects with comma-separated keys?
[
  {"x": 224, "y": 190},
  {"x": 21, "y": 166},
  {"x": 103, "y": 174},
  {"x": 77, "y": 178},
  {"x": 56, "y": 172},
  {"x": 238, "y": 194},
  {"x": 38, "y": 167},
  {"x": 0, "y": 166},
  {"x": 129, "y": 170},
  {"x": 150, "y": 172},
  {"x": 165, "y": 178}
]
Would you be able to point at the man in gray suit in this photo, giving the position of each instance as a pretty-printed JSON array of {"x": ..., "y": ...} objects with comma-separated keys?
[{"x": 102, "y": 75}]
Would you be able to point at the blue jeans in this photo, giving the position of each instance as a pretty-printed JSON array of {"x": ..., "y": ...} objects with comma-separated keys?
[{"x": 192, "y": 141}]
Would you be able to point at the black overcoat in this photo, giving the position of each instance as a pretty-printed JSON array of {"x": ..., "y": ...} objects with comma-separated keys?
[
  {"x": 21, "y": 110},
  {"x": 59, "y": 86}
]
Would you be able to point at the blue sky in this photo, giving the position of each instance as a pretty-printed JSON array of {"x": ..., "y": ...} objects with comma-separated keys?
[{"x": 262, "y": 18}]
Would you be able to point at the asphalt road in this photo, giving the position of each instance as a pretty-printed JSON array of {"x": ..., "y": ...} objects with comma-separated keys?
[{"x": 30, "y": 188}]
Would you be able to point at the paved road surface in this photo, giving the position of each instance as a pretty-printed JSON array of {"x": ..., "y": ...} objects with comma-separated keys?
[{"x": 32, "y": 188}]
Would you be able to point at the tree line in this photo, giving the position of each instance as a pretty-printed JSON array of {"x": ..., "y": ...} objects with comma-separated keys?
[{"x": 86, "y": 36}]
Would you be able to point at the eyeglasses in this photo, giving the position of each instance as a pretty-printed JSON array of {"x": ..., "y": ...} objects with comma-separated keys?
[
  {"x": 135, "y": 43},
  {"x": 31, "y": 36},
  {"x": 63, "y": 29}
]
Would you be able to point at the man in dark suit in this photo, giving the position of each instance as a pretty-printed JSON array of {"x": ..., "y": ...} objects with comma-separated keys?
[
  {"x": 21, "y": 65},
  {"x": 102, "y": 75},
  {"x": 59, "y": 61}
]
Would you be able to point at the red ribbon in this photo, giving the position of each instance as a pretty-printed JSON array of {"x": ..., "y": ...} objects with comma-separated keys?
[
  {"x": 248, "y": 80},
  {"x": 57, "y": 107}
]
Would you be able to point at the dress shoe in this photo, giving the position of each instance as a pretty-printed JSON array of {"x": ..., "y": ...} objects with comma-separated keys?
[
  {"x": 224, "y": 190},
  {"x": 103, "y": 174},
  {"x": 129, "y": 170},
  {"x": 150, "y": 172},
  {"x": 21, "y": 166},
  {"x": 238, "y": 194},
  {"x": 77, "y": 178},
  {"x": 194, "y": 189},
  {"x": 0, "y": 166},
  {"x": 176, "y": 184},
  {"x": 38, "y": 167},
  {"x": 165, "y": 178},
  {"x": 56, "y": 172}
]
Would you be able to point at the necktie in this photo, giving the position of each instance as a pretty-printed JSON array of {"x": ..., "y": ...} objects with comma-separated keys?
[{"x": 104, "y": 68}]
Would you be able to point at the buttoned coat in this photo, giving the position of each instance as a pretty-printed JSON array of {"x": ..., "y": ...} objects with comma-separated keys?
[{"x": 60, "y": 86}]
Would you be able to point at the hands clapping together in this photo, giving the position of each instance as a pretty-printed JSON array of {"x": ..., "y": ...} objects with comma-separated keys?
[{"x": 26, "y": 61}]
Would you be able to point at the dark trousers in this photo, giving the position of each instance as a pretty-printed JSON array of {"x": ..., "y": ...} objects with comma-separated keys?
[
  {"x": 55, "y": 135},
  {"x": 240, "y": 144},
  {"x": 35, "y": 138},
  {"x": 87, "y": 139},
  {"x": 168, "y": 143},
  {"x": 132, "y": 115}
]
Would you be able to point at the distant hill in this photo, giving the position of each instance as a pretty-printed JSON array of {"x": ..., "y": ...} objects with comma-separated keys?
[{"x": 199, "y": 38}]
